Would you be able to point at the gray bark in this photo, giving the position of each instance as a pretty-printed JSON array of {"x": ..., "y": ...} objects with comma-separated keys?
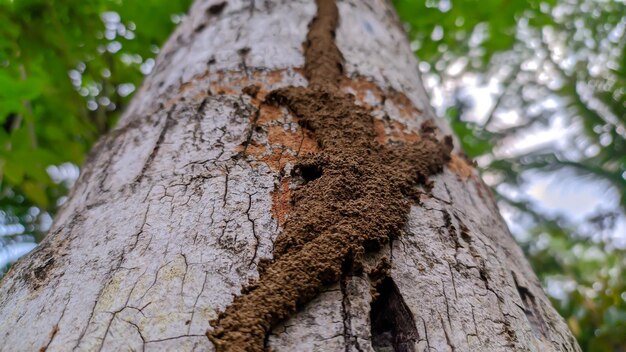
[{"x": 175, "y": 208}]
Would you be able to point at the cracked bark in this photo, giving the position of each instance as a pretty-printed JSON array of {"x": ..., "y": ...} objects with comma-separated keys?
[{"x": 175, "y": 208}]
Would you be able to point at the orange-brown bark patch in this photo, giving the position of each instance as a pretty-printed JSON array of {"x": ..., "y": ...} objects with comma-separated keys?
[
  {"x": 460, "y": 167},
  {"x": 394, "y": 131},
  {"x": 405, "y": 106},
  {"x": 230, "y": 82},
  {"x": 185, "y": 86},
  {"x": 281, "y": 204},
  {"x": 381, "y": 134},
  {"x": 285, "y": 139},
  {"x": 192, "y": 83},
  {"x": 400, "y": 133},
  {"x": 360, "y": 87},
  {"x": 222, "y": 89},
  {"x": 293, "y": 137},
  {"x": 268, "y": 114},
  {"x": 277, "y": 159}
]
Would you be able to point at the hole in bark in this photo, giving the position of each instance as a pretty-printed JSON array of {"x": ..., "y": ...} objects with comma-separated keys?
[
  {"x": 216, "y": 9},
  {"x": 243, "y": 51},
  {"x": 309, "y": 172},
  {"x": 393, "y": 327},
  {"x": 200, "y": 28}
]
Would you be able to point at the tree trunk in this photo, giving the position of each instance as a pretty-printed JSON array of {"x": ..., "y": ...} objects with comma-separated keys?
[{"x": 247, "y": 202}]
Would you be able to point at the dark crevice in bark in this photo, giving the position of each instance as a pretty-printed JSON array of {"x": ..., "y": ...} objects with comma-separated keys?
[
  {"x": 45, "y": 261},
  {"x": 392, "y": 324},
  {"x": 308, "y": 172},
  {"x": 257, "y": 238},
  {"x": 243, "y": 54},
  {"x": 531, "y": 310},
  {"x": 350, "y": 340},
  {"x": 216, "y": 9},
  {"x": 250, "y": 133}
]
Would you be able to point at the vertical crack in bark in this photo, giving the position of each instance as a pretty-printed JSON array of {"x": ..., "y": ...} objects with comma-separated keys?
[
  {"x": 250, "y": 133},
  {"x": 356, "y": 196},
  {"x": 195, "y": 303},
  {"x": 257, "y": 239},
  {"x": 446, "y": 334},
  {"x": 531, "y": 310},
  {"x": 55, "y": 327},
  {"x": 53, "y": 333},
  {"x": 392, "y": 323},
  {"x": 350, "y": 340},
  {"x": 167, "y": 125},
  {"x": 426, "y": 334}
]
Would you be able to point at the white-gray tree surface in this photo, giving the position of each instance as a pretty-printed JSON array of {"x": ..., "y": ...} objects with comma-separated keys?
[{"x": 175, "y": 208}]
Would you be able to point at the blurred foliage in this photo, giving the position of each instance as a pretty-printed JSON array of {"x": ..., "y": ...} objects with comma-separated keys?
[
  {"x": 68, "y": 68},
  {"x": 552, "y": 63}
]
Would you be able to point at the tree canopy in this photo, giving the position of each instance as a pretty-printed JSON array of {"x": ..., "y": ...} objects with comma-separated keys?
[{"x": 531, "y": 88}]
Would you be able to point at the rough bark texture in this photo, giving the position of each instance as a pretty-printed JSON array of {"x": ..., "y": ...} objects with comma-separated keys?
[{"x": 176, "y": 208}]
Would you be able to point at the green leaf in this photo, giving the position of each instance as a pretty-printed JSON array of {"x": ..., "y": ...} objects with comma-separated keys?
[
  {"x": 13, "y": 172},
  {"x": 36, "y": 193}
]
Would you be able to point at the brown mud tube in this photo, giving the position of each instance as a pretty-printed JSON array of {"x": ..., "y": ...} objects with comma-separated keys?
[{"x": 355, "y": 197}]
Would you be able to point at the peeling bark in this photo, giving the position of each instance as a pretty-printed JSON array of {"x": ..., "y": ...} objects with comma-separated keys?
[{"x": 175, "y": 209}]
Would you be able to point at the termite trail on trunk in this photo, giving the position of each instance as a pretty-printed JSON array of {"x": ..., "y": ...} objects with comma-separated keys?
[{"x": 358, "y": 201}]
